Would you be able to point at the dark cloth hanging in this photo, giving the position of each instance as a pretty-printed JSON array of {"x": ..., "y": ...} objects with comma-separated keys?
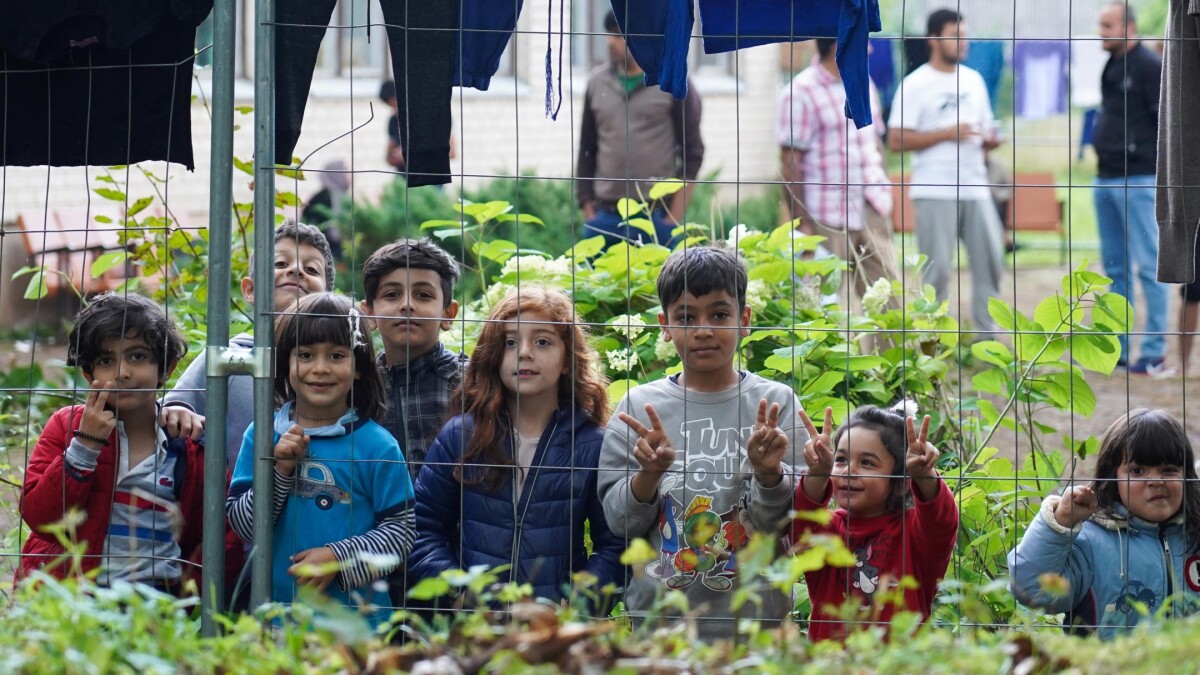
[
  {"x": 95, "y": 82},
  {"x": 421, "y": 35}
]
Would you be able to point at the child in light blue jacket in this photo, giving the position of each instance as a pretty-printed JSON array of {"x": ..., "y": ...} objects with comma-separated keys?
[{"x": 1126, "y": 546}]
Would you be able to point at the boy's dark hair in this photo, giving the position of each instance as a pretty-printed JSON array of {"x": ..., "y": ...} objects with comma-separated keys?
[
  {"x": 939, "y": 19},
  {"x": 387, "y": 91},
  {"x": 329, "y": 317},
  {"x": 889, "y": 423},
  {"x": 610, "y": 23},
  {"x": 303, "y": 234},
  {"x": 1148, "y": 438},
  {"x": 414, "y": 254},
  {"x": 125, "y": 315},
  {"x": 826, "y": 45},
  {"x": 700, "y": 270}
]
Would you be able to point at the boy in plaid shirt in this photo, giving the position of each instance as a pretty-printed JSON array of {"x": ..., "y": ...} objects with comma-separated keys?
[{"x": 409, "y": 289}]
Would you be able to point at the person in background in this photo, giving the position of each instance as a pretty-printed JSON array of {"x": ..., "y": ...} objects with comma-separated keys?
[
  {"x": 324, "y": 207},
  {"x": 942, "y": 114},
  {"x": 631, "y": 137},
  {"x": 1126, "y": 145},
  {"x": 834, "y": 176}
]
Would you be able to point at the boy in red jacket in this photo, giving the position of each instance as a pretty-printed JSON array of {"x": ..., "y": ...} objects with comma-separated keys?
[{"x": 140, "y": 492}]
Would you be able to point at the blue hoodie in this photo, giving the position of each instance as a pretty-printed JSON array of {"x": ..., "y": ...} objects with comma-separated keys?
[
  {"x": 1110, "y": 562},
  {"x": 658, "y": 33}
]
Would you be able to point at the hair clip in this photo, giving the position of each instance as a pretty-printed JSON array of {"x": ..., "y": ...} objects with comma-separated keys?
[
  {"x": 356, "y": 336},
  {"x": 905, "y": 408}
]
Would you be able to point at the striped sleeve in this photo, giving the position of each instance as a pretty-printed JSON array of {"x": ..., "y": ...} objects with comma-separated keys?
[
  {"x": 240, "y": 508},
  {"x": 375, "y": 553}
]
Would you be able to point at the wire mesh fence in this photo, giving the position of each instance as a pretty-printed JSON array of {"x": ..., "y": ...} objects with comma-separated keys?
[{"x": 572, "y": 289}]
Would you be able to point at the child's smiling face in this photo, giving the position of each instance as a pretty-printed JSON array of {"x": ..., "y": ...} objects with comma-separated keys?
[
  {"x": 863, "y": 471},
  {"x": 1152, "y": 493}
]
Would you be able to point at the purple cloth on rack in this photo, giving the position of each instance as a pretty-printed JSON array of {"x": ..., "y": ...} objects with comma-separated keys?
[{"x": 1040, "y": 69}]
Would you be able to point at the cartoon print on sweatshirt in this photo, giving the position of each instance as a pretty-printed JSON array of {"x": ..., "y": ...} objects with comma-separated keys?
[{"x": 866, "y": 575}]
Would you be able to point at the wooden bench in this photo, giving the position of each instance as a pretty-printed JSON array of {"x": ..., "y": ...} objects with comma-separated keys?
[{"x": 1034, "y": 207}]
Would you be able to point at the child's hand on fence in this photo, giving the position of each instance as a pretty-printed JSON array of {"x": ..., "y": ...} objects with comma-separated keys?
[
  {"x": 315, "y": 567},
  {"x": 97, "y": 421},
  {"x": 767, "y": 445},
  {"x": 922, "y": 457},
  {"x": 818, "y": 451},
  {"x": 292, "y": 447},
  {"x": 653, "y": 450},
  {"x": 181, "y": 422},
  {"x": 1077, "y": 505}
]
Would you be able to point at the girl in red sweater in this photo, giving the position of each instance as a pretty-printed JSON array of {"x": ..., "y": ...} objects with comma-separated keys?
[{"x": 896, "y": 514}]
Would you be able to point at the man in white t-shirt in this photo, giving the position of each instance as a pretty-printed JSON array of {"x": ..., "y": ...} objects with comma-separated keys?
[{"x": 942, "y": 114}]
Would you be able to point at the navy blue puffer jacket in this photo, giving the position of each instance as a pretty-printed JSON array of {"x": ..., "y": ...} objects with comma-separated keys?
[{"x": 539, "y": 533}]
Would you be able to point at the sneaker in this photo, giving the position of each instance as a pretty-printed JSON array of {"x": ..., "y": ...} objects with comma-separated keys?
[{"x": 1147, "y": 365}]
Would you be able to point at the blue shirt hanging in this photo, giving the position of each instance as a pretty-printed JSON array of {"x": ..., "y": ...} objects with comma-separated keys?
[{"x": 735, "y": 24}]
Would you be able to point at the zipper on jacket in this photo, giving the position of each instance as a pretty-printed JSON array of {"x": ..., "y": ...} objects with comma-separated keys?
[
  {"x": 1170, "y": 571},
  {"x": 524, "y": 496}
]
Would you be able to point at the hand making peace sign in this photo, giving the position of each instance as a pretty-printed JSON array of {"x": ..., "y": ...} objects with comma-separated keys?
[
  {"x": 818, "y": 451},
  {"x": 922, "y": 457},
  {"x": 767, "y": 445},
  {"x": 653, "y": 450}
]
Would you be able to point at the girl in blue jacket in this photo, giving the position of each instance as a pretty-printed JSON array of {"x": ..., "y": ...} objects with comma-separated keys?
[
  {"x": 1126, "y": 546},
  {"x": 512, "y": 480}
]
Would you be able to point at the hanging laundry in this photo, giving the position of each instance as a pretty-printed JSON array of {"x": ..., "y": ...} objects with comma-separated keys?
[
  {"x": 84, "y": 82},
  {"x": 422, "y": 37},
  {"x": 1040, "y": 69},
  {"x": 881, "y": 64},
  {"x": 986, "y": 57},
  {"x": 487, "y": 27},
  {"x": 659, "y": 32}
]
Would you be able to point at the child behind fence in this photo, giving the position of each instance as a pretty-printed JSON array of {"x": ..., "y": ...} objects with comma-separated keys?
[
  {"x": 1097, "y": 552},
  {"x": 342, "y": 502}
]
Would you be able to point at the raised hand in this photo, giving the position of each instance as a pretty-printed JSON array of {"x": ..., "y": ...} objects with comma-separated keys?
[
  {"x": 292, "y": 447},
  {"x": 767, "y": 445},
  {"x": 653, "y": 450},
  {"x": 181, "y": 422},
  {"x": 314, "y": 567},
  {"x": 818, "y": 451},
  {"x": 921, "y": 459},
  {"x": 1077, "y": 505},
  {"x": 97, "y": 421}
]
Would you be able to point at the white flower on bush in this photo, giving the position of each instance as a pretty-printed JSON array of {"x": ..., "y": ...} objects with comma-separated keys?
[
  {"x": 663, "y": 350},
  {"x": 536, "y": 266},
  {"x": 808, "y": 294},
  {"x": 621, "y": 361},
  {"x": 737, "y": 234},
  {"x": 628, "y": 326},
  {"x": 757, "y": 295},
  {"x": 495, "y": 293},
  {"x": 876, "y": 298}
]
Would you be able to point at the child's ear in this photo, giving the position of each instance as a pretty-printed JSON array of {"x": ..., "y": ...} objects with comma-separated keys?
[
  {"x": 662, "y": 321},
  {"x": 448, "y": 315},
  {"x": 248, "y": 290},
  {"x": 166, "y": 372},
  {"x": 745, "y": 331},
  {"x": 366, "y": 310}
]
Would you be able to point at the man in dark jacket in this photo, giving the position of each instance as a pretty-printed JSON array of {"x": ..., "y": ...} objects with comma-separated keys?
[{"x": 1126, "y": 140}]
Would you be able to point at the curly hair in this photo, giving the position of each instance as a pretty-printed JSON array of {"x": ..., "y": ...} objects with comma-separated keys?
[
  {"x": 1148, "y": 438},
  {"x": 482, "y": 394},
  {"x": 329, "y": 317}
]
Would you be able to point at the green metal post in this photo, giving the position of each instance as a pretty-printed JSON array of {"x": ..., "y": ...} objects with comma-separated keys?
[
  {"x": 264, "y": 296},
  {"x": 220, "y": 208}
]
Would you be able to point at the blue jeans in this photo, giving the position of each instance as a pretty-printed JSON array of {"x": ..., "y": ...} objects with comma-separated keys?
[
  {"x": 608, "y": 223},
  {"x": 1128, "y": 247}
]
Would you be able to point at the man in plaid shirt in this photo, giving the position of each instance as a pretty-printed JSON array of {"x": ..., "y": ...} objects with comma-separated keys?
[{"x": 834, "y": 177}]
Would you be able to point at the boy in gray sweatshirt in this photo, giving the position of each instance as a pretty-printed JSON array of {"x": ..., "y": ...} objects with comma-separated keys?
[{"x": 697, "y": 462}]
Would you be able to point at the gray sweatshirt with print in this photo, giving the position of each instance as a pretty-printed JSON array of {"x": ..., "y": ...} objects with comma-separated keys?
[{"x": 709, "y": 502}]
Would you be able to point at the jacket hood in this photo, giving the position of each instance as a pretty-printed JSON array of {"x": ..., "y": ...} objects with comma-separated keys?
[{"x": 1119, "y": 518}]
